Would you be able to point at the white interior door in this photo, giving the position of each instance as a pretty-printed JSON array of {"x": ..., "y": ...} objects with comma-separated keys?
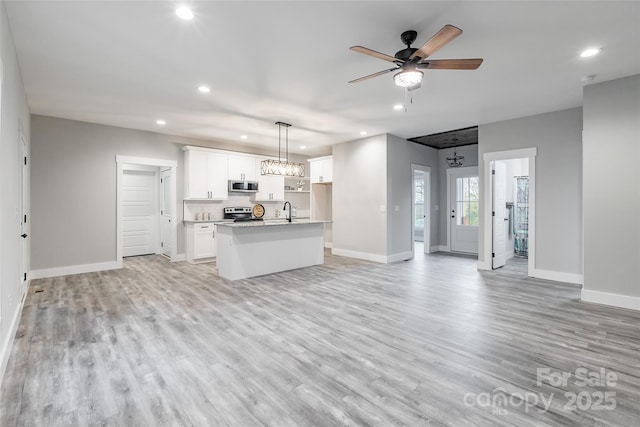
[
  {"x": 23, "y": 210},
  {"x": 499, "y": 182},
  {"x": 138, "y": 210},
  {"x": 419, "y": 213},
  {"x": 166, "y": 212},
  {"x": 421, "y": 206},
  {"x": 464, "y": 201}
]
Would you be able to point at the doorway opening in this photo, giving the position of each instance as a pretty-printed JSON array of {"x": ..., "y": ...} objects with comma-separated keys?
[
  {"x": 421, "y": 209},
  {"x": 146, "y": 201},
  {"x": 509, "y": 211},
  {"x": 463, "y": 209}
]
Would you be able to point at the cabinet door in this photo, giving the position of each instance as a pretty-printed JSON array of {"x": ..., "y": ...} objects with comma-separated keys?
[
  {"x": 242, "y": 168},
  {"x": 217, "y": 183},
  {"x": 270, "y": 187},
  {"x": 204, "y": 243},
  {"x": 196, "y": 175},
  {"x": 277, "y": 188},
  {"x": 327, "y": 170}
]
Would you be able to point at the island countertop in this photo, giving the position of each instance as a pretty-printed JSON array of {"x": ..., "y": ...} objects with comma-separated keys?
[{"x": 270, "y": 222}]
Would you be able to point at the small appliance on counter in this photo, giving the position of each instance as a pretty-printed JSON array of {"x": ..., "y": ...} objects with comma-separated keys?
[{"x": 239, "y": 214}]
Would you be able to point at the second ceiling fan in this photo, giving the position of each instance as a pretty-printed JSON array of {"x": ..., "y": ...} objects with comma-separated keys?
[{"x": 410, "y": 61}]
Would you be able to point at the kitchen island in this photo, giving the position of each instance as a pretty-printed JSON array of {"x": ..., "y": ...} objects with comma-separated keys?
[{"x": 254, "y": 248}]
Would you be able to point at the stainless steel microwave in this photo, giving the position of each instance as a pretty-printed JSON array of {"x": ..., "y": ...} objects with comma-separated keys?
[{"x": 243, "y": 186}]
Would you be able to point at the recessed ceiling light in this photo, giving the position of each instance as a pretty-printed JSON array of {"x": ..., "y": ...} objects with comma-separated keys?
[
  {"x": 204, "y": 89},
  {"x": 302, "y": 147},
  {"x": 590, "y": 52},
  {"x": 161, "y": 122},
  {"x": 243, "y": 136},
  {"x": 363, "y": 132},
  {"x": 398, "y": 107},
  {"x": 184, "y": 13}
]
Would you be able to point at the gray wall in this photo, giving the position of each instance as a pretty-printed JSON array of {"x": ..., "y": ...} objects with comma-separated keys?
[
  {"x": 558, "y": 138},
  {"x": 359, "y": 189},
  {"x": 14, "y": 112},
  {"x": 611, "y": 188},
  {"x": 74, "y": 186},
  {"x": 470, "y": 153},
  {"x": 400, "y": 155}
]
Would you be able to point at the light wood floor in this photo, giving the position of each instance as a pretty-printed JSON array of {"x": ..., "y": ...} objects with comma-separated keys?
[{"x": 422, "y": 342}]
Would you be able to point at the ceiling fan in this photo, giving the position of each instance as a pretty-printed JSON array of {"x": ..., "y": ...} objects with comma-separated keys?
[{"x": 410, "y": 61}]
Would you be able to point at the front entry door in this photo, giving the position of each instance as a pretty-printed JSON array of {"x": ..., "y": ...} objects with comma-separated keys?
[
  {"x": 464, "y": 200},
  {"x": 166, "y": 212}
]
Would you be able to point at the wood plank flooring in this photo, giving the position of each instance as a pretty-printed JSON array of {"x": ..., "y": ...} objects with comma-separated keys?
[{"x": 430, "y": 341}]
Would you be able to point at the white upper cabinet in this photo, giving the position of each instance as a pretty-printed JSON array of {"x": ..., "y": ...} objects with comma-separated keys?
[
  {"x": 270, "y": 187},
  {"x": 206, "y": 175},
  {"x": 321, "y": 170},
  {"x": 242, "y": 168}
]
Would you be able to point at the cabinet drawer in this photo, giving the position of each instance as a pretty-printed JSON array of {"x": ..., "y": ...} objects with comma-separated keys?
[{"x": 203, "y": 227}]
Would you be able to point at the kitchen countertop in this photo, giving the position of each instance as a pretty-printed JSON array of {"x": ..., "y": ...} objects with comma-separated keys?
[
  {"x": 230, "y": 221},
  {"x": 270, "y": 222}
]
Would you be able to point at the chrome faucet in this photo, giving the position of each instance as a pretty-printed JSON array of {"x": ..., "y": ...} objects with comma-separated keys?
[{"x": 285, "y": 208}]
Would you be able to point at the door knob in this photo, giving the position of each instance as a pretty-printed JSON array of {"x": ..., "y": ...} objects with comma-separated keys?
[
  {"x": 453, "y": 216},
  {"x": 24, "y": 236}
]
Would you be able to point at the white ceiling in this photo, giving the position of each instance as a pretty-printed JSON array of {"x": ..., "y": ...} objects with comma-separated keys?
[{"x": 128, "y": 63}]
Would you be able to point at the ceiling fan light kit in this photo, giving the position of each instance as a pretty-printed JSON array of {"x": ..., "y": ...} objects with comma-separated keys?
[
  {"x": 408, "y": 61},
  {"x": 280, "y": 167},
  {"x": 408, "y": 78}
]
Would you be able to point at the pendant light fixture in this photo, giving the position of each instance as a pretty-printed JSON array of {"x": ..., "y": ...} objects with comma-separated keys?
[
  {"x": 279, "y": 167},
  {"x": 455, "y": 161}
]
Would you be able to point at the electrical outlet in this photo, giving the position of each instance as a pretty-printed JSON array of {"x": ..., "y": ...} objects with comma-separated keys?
[{"x": 383, "y": 208}]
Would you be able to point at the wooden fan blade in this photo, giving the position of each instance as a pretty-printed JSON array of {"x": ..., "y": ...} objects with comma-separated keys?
[
  {"x": 441, "y": 38},
  {"x": 379, "y": 73},
  {"x": 375, "y": 54},
  {"x": 451, "y": 64}
]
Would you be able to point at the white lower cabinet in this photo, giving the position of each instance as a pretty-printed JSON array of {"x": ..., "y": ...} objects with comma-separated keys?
[{"x": 200, "y": 242}]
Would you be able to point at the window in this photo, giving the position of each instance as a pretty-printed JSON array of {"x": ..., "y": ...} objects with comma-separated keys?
[
  {"x": 418, "y": 189},
  {"x": 467, "y": 201}
]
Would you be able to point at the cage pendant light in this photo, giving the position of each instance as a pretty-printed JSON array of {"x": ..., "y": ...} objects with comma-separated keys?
[{"x": 280, "y": 167}]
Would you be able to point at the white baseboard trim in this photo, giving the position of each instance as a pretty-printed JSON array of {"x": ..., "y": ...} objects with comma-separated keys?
[
  {"x": 74, "y": 269},
  {"x": 615, "y": 300},
  {"x": 383, "y": 259},
  {"x": 179, "y": 257},
  {"x": 440, "y": 248},
  {"x": 359, "y": 255},
  {"x": 402, "y": 256},
  {"x": 558, "y": 276},
  {"x": 7, "y": 345}
]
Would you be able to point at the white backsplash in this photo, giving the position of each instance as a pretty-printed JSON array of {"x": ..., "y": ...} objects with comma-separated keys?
[{"x": 299, "y": 201}]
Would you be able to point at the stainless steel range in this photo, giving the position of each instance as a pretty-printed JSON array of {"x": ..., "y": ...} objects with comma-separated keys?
[{"x": 238, "y": 214}]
